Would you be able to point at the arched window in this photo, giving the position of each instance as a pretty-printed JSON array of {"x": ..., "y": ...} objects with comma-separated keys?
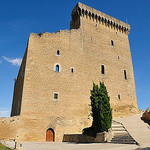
[{"x": 57, "y": 68}]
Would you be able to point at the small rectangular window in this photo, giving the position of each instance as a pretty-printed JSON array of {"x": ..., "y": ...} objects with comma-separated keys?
[
  {"x": 55, "y": 96},
  {"x": 72, "y": 70},
  {"x": 112, "y": 42},
  {"x": 125, "y": 75},
  {"x": 119, "y": 97},
  {"x": 102, "y": 69},
  {"x": 58, "y": 52}
]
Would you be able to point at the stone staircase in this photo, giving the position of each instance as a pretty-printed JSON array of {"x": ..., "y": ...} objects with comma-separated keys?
[{"x": 121, "y": 135}]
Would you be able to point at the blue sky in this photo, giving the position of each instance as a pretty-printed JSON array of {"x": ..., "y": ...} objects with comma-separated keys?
[{"x": 19, "y": 18}]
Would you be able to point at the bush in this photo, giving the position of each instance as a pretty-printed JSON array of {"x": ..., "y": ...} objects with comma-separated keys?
[{"x": 89, "y": 132}]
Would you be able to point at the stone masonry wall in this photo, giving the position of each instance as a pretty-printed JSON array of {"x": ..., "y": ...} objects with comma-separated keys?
[
  {"x": 18, "y": 89},
  {"x": 116, "y": 59},
  {"x": 84, "y": 49},
  {"x": 8, "y": 128}
]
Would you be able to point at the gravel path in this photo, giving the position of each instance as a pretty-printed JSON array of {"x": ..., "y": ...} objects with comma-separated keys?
[{"x": 71, "y": 146}]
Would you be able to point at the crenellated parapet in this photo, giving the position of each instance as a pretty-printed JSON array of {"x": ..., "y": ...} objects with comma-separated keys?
[{"x": 94, "y": 15}]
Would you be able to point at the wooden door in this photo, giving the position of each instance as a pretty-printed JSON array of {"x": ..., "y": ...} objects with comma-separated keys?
[{"x": 50, "y": 135}]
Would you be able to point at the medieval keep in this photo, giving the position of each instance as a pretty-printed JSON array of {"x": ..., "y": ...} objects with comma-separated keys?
[{"x": 52, "y": 90}]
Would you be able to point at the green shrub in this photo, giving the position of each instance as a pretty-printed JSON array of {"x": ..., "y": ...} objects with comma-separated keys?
[
  {"x": 89, "y": 132},
  {"x": 101, "y": 110}
]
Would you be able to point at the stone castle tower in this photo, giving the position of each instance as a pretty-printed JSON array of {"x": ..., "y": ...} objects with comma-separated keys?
[{"x": 52, "y": 90}]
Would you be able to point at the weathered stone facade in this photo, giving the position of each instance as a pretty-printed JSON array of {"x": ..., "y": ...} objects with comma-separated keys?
[
  {"x": 53, "y": 86},
  {"x": 8, "y": 128}
]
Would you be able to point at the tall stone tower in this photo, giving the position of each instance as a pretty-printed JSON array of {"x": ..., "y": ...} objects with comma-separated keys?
[{"x": 52, "y": 90}]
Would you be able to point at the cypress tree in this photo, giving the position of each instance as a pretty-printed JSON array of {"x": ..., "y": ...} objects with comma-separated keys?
[{"x": 101, "y": 110}]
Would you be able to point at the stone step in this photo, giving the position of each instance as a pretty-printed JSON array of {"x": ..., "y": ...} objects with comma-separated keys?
[
  {"x": 118, "y": 129},
  {"x": 114, "y": 139},
  {"x": 124, "y": 142},
  {"x": 117, "y": 125},
  {"x": 121, "y": 135},
  {"x": 120, "y": 132},
  {"x": 113, "y": 127}
]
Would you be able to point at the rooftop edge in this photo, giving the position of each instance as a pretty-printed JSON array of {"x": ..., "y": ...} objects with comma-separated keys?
[{"x": 98, "y": 13}]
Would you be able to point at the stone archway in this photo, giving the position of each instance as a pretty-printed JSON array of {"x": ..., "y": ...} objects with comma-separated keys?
[{"x": 50, "y": 135}]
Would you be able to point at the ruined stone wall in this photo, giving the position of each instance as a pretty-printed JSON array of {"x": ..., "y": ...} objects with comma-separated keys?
[{"x": 8, "y": 128}]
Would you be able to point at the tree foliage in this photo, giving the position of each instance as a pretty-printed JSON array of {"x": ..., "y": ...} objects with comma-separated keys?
[{"x": 101, "y": 110}]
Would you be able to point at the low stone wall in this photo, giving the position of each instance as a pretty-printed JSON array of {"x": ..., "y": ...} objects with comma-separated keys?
[
  {"x": 8, "y": 128},
  {"x": 80, "y": 138}
]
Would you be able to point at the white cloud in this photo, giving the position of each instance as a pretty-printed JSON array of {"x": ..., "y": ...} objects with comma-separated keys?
[
  {"x": 13, "y": 61},
  {"x": 0, "y": 61},
  {"x": 4, "y": 112}
]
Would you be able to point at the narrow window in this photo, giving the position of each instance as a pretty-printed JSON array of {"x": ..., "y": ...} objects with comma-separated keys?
[
  {"x": 57, "y": 68},
  {"x": 119, "y": 97},
  {"x": 102, "y": 69},
  {"x": 58, "y": 52},
  {"x": 125, "y": 75},
  {"x": 112, "y": 42},
  {"x": 72, "y": 70},
  {"x": 55, "y": 96}
]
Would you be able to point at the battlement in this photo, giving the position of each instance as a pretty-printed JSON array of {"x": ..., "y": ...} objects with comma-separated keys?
[{"x": 82, "y": 10}]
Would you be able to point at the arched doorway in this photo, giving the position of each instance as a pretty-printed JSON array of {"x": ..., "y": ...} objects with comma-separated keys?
[{"x": 50, "y": 135}]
